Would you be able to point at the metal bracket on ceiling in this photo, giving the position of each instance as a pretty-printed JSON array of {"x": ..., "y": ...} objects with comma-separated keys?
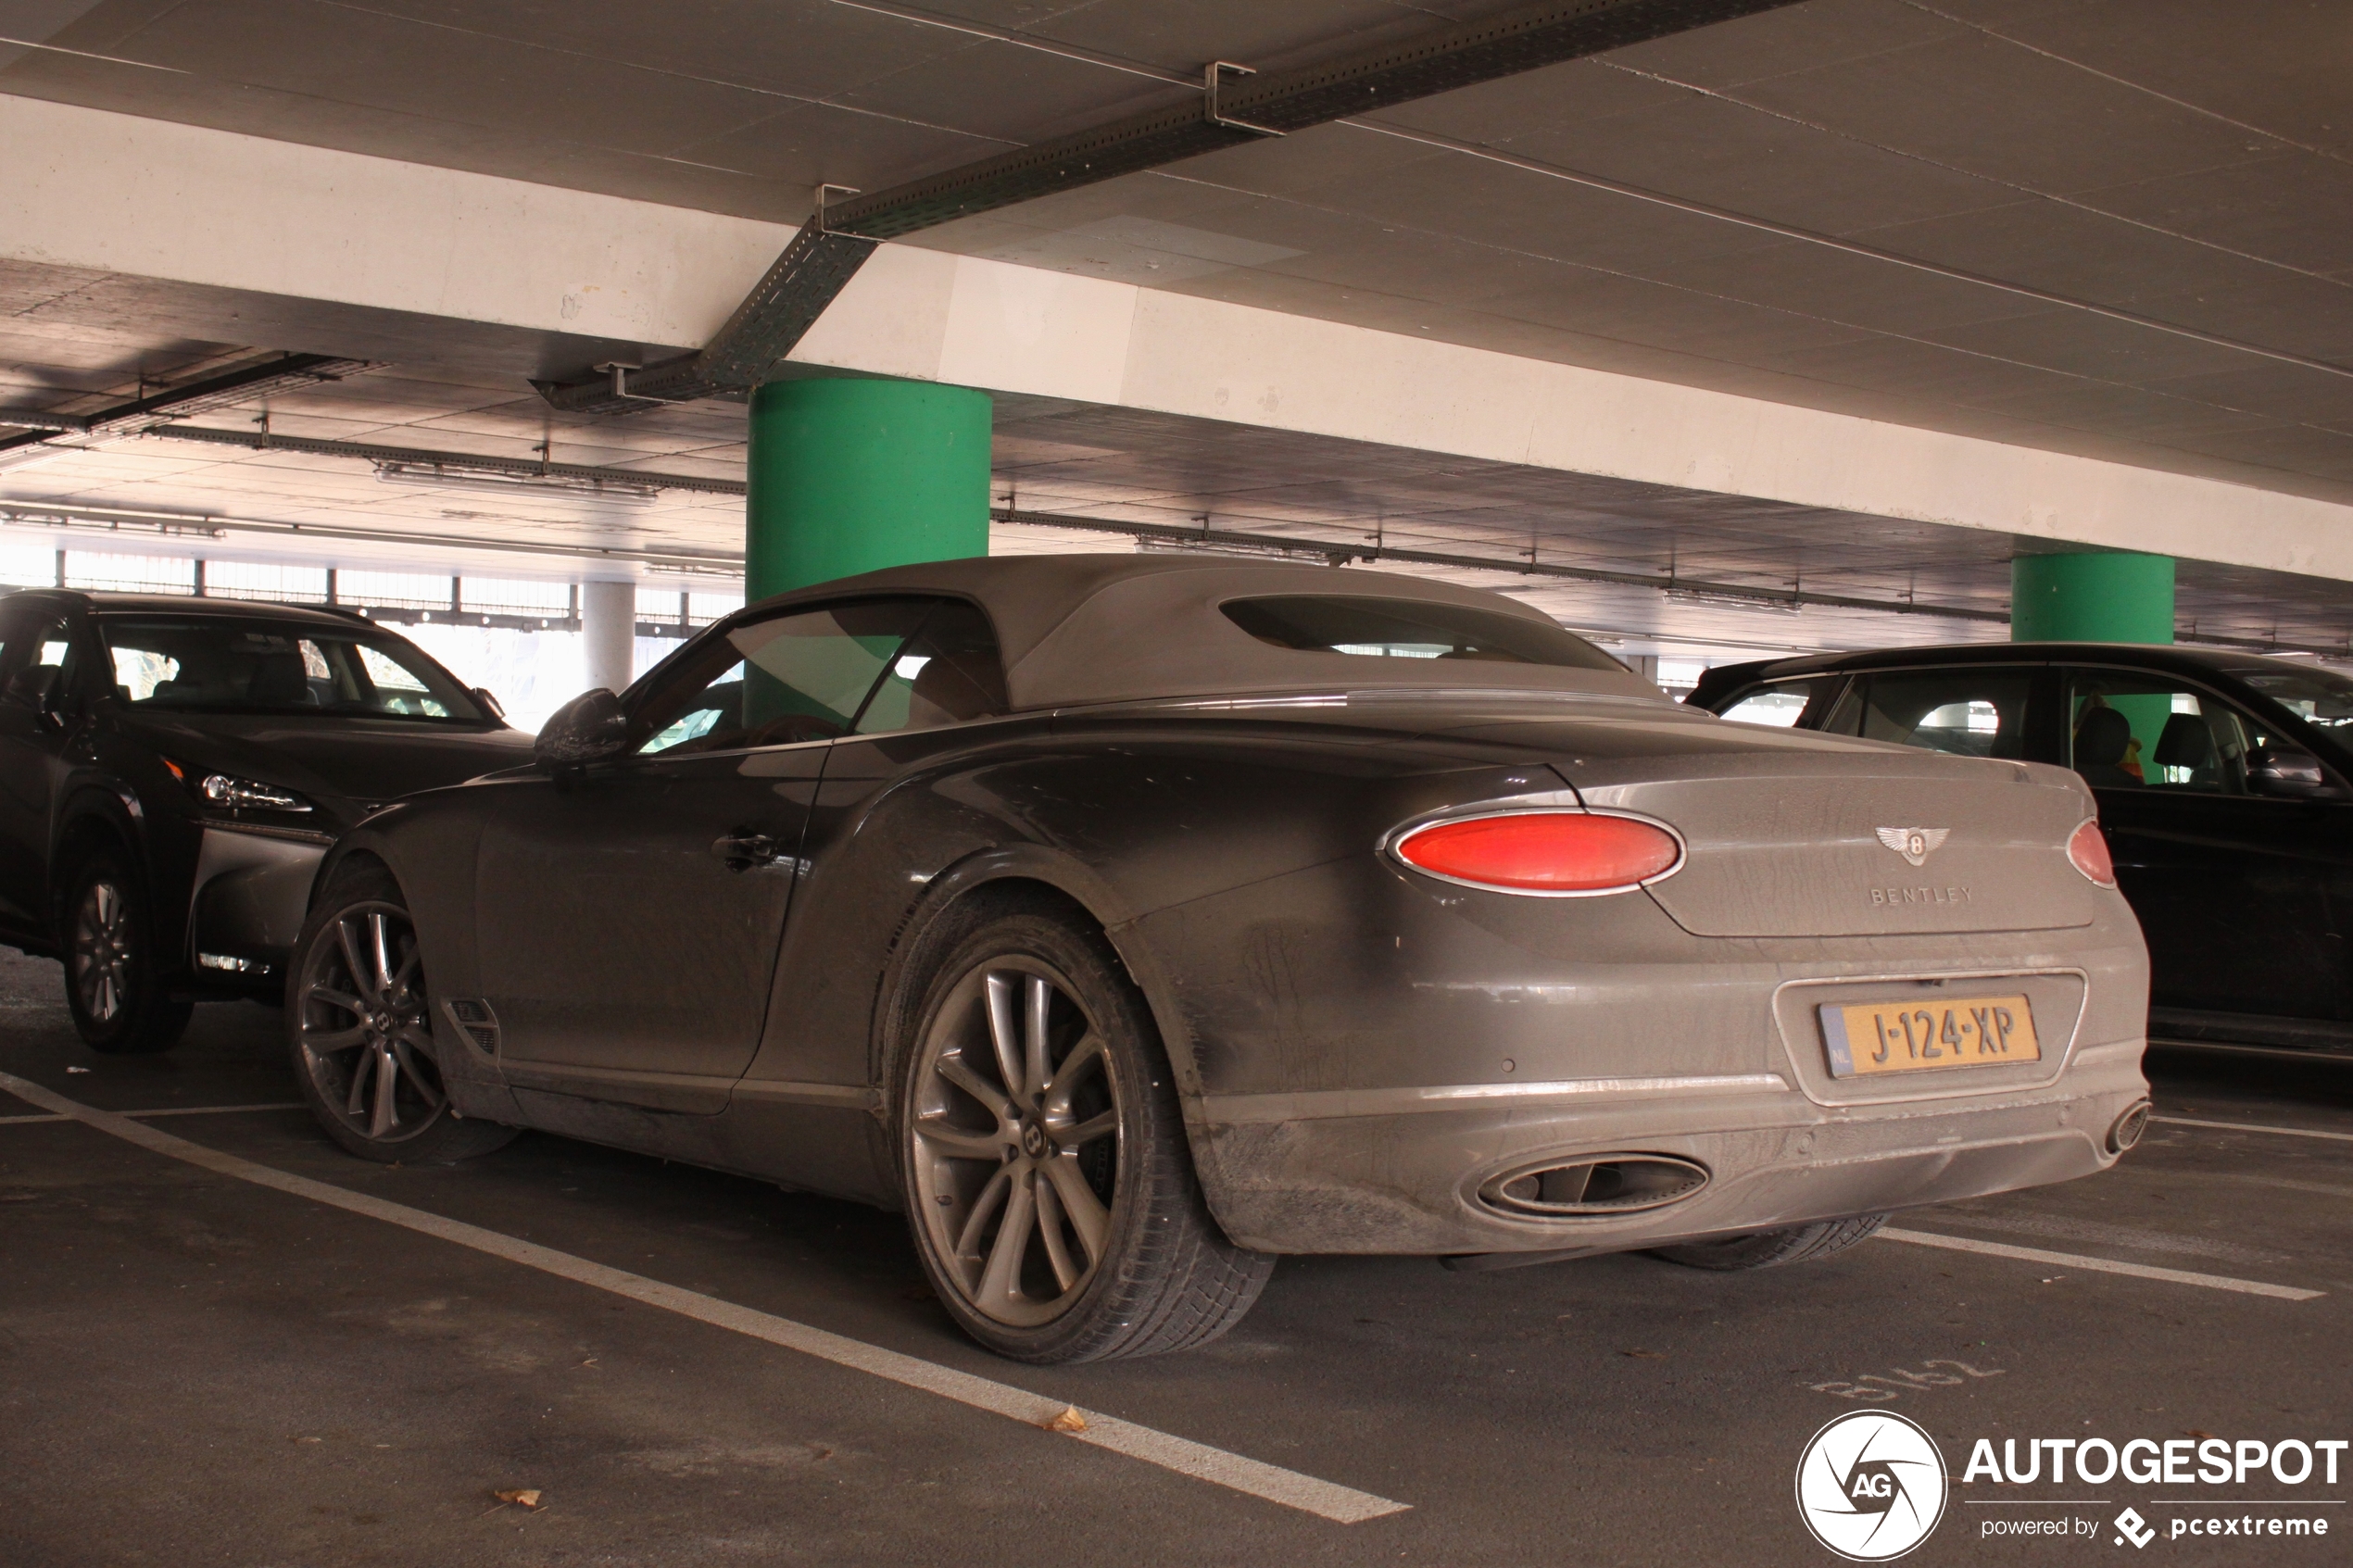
[
  {"x": 1215, "y": 72},
  {"x": 817, "y": 213},
  {"x": 620, "y": 371}
]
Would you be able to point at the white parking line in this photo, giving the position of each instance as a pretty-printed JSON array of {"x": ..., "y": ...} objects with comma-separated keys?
[
  {"x": 2102, "y": 1265},
  {"x": 172, "y": 1110},
  {"x": 2253, "y": 1127},
  {"x": 1342, "y": 1504}
]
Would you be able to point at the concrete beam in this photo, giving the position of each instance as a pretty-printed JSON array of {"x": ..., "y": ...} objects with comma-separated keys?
[{"x": 556, "y": 273}]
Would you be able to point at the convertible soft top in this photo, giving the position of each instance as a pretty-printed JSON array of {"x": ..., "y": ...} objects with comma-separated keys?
[{"x": 1080, "y": 629}]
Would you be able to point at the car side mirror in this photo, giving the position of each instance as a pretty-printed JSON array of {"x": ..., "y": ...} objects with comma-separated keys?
[
  {"x": 2287, "y": 771},
  {"x": 590, "y": 728},
  {"x": 36, "y": 686},
  {"x": 488, "y": 702}
]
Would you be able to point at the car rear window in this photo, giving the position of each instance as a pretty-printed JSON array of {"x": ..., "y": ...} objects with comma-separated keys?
[{"x": 1384, "y": 628}]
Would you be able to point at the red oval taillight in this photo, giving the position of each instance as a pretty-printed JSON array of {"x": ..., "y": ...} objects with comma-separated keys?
[
  {"x": 2088, "y": 850},
  {"x": 1544, "y": 851}
]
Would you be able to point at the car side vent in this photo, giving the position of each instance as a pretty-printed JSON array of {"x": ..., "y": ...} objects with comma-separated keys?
[
  {"x": 475, "y": 1022},
  {"x": 1603, "y": 1184}
]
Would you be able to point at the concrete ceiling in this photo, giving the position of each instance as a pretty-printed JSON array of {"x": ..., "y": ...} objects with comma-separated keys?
[
  {"x": 2109, "y": 229},
  {"x": 2119, "y": 228}
]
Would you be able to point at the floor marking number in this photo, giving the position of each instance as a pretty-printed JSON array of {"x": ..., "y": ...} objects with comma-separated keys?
[{"x": 1893, "y": 1388}]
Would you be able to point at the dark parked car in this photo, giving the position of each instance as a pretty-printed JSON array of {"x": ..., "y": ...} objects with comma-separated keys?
[
  {"x": 172, "y": 772},
  {"x": 1126, "y": 921},
  {"x": 2222, "y": 782}
]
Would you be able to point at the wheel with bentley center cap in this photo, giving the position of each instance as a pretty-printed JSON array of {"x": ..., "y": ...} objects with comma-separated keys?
[
  {"x": 359, "y": 1024},
  {"x": 1043, "y": 1157}
]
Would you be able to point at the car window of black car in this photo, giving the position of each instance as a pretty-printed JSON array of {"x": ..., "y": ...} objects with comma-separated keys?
[
  {"x": 37, "y": 662},
  {"x": 1779, "y": 703},
  {"x": 778, "y": 679},
  {"x": 1968, "y": 711},
  {"x": 2130, "y": 731},
  {"x": 948, "y": 672},
  {"x": 233, "y": 664},
  {"x": 2323, "y": 698}
]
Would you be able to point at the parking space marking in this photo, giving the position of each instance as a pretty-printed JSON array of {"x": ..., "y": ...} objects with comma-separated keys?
[
  {"x": 2254, "y": 1127},
  {"x": 1325, "y": 1498},
  {"x": 170, "y": 1110},
  {"x": 2103, "y": 1265}
]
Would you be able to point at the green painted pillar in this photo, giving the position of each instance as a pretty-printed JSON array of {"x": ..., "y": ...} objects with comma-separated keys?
[
  {"x": 2103, "y": 596},
  {"x": 851, "y": 475}
]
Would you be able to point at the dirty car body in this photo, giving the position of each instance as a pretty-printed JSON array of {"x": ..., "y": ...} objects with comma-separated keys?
[{"x": 693, "y": 952}]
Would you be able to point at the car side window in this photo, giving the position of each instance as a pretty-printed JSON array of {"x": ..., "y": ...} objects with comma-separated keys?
[
  {"x": 36, "y": 661},
  {"x": 1779, "y": 703},
  {"x": 2129, "y": 730},
  {"x": 949, "y": 673},
  {"x": 798, "y": 677},
  {"x": 1965, "y": 712}
]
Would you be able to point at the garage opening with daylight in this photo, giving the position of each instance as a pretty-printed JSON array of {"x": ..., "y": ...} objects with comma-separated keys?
[{"x": 830, "y": 781}]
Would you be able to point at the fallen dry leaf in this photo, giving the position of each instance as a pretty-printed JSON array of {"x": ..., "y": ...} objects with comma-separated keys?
[
  {"x": 524, "y": 1497},
  {"x": 1646, "y": 1355},
  {"x": 2194, "y": 1432},
  {"x": 1069, "y": 1420}
]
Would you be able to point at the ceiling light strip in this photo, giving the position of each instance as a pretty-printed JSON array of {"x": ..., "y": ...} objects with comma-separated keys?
[
  {"x": 1337, "y": 554},
  {"x": 241, "y": 384},
  {"x": 566, "y": 476},
  {"x": 197, "y": 525}
]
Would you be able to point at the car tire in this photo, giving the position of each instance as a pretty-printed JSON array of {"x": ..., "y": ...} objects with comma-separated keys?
[
  {"x": 1042, "y": 1151},
  {"x": 114, "y": 981},
  {"x": 1769, "y": 1249},
  {"x": 360, "y": 1028}
]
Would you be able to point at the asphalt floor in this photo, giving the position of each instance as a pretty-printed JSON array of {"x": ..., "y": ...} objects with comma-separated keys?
[{"x": 197, "y": 1368}]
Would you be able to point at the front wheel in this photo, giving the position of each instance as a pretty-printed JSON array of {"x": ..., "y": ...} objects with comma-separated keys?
[
  {"x": 1043, "y": 1157},
  {"x": 1768, "y": 1249},
  {"x": 114, "y": 986},
  {"x": 357, "y": 1021}
]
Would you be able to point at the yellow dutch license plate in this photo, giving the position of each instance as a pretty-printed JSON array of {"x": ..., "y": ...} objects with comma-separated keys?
[{"x": 1918, "y": 1036}]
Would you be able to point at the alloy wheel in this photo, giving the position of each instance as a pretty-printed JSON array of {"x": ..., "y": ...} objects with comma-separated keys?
[
  {"x": 102, "y": 951},
  {"x": 1014, "y": 1139},
  {"x": 362, "y": 1029}
]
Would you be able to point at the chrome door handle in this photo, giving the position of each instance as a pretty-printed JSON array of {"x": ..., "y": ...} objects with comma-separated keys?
[{"x": 742, "y": 852}]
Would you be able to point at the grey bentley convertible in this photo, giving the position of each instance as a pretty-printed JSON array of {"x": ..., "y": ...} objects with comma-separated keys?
[{"x": 1129, "y": 920}]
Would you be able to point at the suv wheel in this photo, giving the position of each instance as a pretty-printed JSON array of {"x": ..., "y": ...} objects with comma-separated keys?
[{"x": 113, "y": 985}]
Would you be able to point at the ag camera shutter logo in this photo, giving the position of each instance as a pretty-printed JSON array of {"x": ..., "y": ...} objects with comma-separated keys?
[{"x": 1870, "y": 1485}]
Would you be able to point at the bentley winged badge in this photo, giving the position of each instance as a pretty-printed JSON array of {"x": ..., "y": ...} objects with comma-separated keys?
[{"x": 1913, "y": 844}]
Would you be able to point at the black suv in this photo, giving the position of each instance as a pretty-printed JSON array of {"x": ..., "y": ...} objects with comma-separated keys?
[
  {"x": 172, "y": 769},
  {"x": 2225, "y": 788}
]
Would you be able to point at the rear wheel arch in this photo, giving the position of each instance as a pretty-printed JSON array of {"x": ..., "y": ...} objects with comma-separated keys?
[{"x": 1016, "y": 873}]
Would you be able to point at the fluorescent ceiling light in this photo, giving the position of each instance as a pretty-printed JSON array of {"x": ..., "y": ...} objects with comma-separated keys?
[{"x": 443, "y": 475}]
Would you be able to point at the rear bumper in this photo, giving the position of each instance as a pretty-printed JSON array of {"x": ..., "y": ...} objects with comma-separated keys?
[{"x": 1398, "y": 1180}]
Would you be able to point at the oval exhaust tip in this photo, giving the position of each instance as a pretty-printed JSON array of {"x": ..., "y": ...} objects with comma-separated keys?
[
  {"x": 2129, "y": 1128},
  {"x": 1598, "y": 1184}
]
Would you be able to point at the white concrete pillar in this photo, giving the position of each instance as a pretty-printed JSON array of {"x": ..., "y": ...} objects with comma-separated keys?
[{"x": 608, "y": 627}]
